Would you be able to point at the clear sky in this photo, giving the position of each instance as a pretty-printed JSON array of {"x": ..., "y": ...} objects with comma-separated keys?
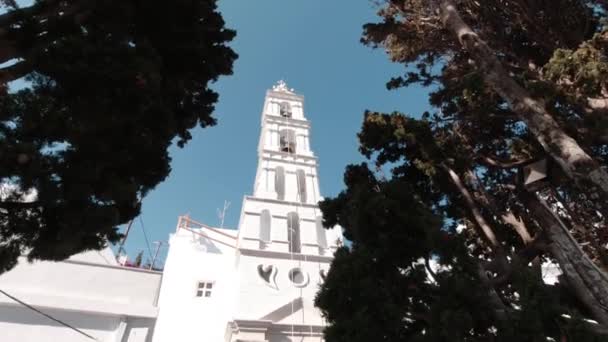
[{"x": 313, "y": 45}]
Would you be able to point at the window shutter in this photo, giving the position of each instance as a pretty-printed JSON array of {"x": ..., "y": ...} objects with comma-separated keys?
[
  {"x": 293, "y": 232},
  {"x": 265, "y": 226},
  {"x": 301, "y": 175},
  {"x": 321, "y": 233},
  {"x": 279, "y": 182}
]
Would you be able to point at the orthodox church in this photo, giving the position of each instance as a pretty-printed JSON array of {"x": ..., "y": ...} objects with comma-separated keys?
[{"x": 256, "y": 283}]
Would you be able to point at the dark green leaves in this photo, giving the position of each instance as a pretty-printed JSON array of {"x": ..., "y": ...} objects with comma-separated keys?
[{"x": 113, "y": 83}]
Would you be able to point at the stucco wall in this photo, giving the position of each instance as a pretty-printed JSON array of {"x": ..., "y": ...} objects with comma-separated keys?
[
  {"x": 88, "y": 292},
  {"x": 183, "y": 316},
  {"x": 285, "y": 304}
]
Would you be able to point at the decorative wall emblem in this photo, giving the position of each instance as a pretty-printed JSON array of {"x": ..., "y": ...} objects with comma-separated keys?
[
  {"x": 268, "y": 274},
  {"x": 298, "y": 277}
]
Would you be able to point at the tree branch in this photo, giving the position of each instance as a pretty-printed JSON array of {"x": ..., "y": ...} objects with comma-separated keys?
[
  {"x": 486, "y": 230},
  {"x": 429, "y": 269},
  {"x": 573, "y": 160},
  {"x": 519, "y": 226},
  {"x": 488, "y": 161},
  {"x": 490, "y": 202}
]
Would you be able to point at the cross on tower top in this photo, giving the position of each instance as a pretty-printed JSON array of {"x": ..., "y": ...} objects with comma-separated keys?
[{"x": 281, "y": 86}]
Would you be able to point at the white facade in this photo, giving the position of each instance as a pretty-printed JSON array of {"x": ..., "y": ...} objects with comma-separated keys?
[
  {"x": 90, "y": 291},
  {"x": 257, "y": 283}
]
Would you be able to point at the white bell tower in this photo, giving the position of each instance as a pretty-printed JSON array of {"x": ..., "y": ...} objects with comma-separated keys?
[
  {"x": 284, "y": 251},
  {"x": 256, "y": 284}
]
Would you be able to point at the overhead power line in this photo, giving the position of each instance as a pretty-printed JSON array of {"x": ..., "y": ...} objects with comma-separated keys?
[
  {"x": 47, "y": 315},
  {"x": 143, "y": 229}
]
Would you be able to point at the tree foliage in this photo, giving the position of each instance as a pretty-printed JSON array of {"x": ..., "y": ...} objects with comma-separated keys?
[
  {"x": 111, "y": 85},
  {"x": 447, "y": 242}
]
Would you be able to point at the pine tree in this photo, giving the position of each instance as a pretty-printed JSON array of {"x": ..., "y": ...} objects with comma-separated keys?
[
  {"x": 112, "y": 84},
  {"x": 449, "y": 246},
  {"x": 138, "y": 259}
]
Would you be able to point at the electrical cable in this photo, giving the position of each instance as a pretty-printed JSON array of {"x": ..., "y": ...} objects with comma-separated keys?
[
  {"x": 47, "y": 315},
  {"x": 141, "y": 221}
]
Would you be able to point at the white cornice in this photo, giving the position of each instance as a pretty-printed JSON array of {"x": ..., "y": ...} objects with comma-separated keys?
[
  {"x": 284, "y": 96},
  {"x": 293, "y": 156},
  {"x": 287, "y": 203},
  {"x": 301, "y": 329},
  {"x": 279, "y": 216},
  {"x": 289, "y": 121},
  {"x": 285, "y": 255},
  {"x": 264, "y": 325},
  {"x": 122, "y": 268},
  {"x": 313, "y": 164}
]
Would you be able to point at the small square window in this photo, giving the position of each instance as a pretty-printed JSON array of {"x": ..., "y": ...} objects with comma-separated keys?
[{"x": 203, "y": 289}]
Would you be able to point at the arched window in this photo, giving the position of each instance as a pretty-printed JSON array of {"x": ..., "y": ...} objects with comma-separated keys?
[
  {"x": 321, "y": 234},
  {"x": 287, "y": 140},
  {"x": 265, "y": 226},
  {"x": 279, "y": 182},
  {"x": 285, "y": 109},
  {"x": 293, "y": 232},
  {"x": 301, "y": 175}
]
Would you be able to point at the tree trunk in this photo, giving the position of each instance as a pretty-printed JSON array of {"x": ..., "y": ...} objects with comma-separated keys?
[
  {"x": 573, "y": 160},
  {"x": 588, "y": 283},
  {"x": 485, "y": 230}
]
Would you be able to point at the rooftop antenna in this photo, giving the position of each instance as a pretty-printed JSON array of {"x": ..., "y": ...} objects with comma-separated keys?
[{"x": 221, "y": 214}]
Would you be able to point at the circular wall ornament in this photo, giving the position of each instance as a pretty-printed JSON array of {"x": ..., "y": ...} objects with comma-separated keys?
[{"x": 298, "y": 277}]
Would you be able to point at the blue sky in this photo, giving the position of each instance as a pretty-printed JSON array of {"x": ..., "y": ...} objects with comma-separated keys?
[{"x": 313, "y": 45}]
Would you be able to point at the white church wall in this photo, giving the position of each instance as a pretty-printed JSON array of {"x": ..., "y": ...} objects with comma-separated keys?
[
  {"x": 20, "y": 324},
  {"x": 88, "y": 291},
  {"x": 74, "y": 285},
  {"x": 298, "y": 337},
  {"x": 298, "y": 110},
  {"x": 184, "y": 316},
  {"x": 285, "y": 303},
  {"x": 250, "y": 228},
  {"x": 266, "y": 176}
]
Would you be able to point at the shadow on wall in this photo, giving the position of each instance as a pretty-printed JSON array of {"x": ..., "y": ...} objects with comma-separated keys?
[
  {"x": 205, "y": 245},
  {"x": 284, "y": 311},
  {"x": 282, "y": 338},
  {"x": 99, "y": 326},
  {"x": 20, "y": 315}
]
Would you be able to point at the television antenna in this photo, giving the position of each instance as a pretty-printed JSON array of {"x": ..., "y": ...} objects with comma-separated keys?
[{"x": 221, "y": 214}]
